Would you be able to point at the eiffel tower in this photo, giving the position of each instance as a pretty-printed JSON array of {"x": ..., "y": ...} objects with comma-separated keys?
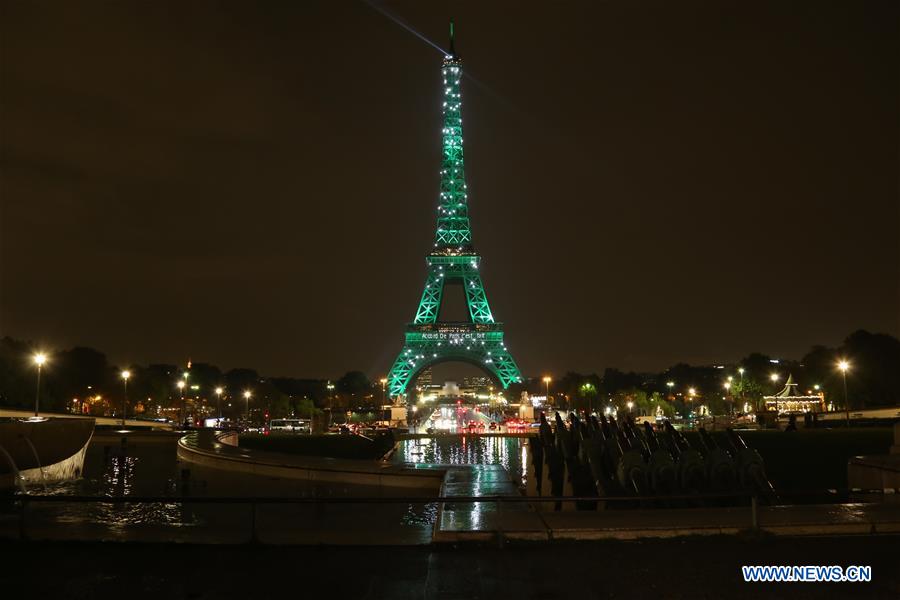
[{"x": 478, "y": 341}]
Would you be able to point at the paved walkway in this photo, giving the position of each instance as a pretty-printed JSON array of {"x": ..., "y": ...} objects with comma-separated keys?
[
  {"x": 458, "y": 521},
  {"x": 535, "y": 520}
]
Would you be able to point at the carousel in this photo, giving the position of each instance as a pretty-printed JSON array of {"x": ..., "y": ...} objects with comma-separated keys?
[{"x": 790, "y": 401}]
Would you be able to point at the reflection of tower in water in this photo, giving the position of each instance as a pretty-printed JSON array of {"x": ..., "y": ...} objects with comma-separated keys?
[{"x": 509, "y": 452}]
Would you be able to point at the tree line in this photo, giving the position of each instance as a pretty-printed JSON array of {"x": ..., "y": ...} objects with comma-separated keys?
[
  {"x": 873, "y": 380},
  {"x": 85, "y": 374},
  {"x": 81, "y": 375}
]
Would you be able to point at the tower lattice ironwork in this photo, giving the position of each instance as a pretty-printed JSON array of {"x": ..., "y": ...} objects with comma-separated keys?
[{"x": 479, "y": 340}]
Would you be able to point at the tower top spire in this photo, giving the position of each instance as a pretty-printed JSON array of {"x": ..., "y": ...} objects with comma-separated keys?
[
  {"x": 453, "y": 232},
  {"x": 452, "y": 49}
]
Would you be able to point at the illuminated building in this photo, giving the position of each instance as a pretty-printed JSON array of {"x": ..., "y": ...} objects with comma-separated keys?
[{"x": 789, "y": 400}]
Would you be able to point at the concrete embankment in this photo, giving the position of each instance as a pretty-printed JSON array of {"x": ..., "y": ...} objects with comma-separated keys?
[{"x": 99, "y": 420}]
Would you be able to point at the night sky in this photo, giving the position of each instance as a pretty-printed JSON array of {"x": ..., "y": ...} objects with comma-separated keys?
[{"x": 255, "y": 183}]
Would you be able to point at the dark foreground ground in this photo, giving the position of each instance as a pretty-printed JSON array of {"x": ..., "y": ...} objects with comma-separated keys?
[{"x": 666, "y": 569}]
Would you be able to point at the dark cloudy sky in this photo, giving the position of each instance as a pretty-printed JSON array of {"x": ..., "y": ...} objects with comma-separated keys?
[{"x": 254, "y": 183}]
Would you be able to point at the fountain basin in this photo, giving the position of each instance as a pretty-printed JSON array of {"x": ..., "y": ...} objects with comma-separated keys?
[{"x": 39, "y": 449}]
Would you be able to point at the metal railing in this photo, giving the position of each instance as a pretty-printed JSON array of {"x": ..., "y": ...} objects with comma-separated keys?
[{"x": 309, "y": 522}]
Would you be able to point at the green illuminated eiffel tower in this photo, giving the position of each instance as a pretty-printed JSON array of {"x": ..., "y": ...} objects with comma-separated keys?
[{"x": 478, "y": 341}]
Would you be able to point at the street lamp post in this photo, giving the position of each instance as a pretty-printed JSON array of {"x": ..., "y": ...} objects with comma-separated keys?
[
  {"x": 691, "y": 393},
  {"x": 547, "y": 380},
  {"x": 247, "y": 395},
  {"x": 774, "y": 377},
  {"x": 844, "y": 366},
  {"x": 180, "y": 385},
  {"x": 219, "y": 402},
  {"x": 383, "y": 382},
  {"x": 125, "y": 375},
  {"x": 727, "y": 386},
  {"x": 39, "y": 359}
]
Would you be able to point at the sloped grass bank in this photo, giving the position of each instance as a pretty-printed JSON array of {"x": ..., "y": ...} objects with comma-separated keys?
[{"x": 810, "y": 459}]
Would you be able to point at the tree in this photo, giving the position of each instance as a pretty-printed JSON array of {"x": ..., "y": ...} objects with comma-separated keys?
[
  {"x": 16, "y": 385},
  {"x": 874, "y": 375},
  {"x": 587, "y": 392},
  {"x": 614, "y": 380},
  {"x": 207, "y": 376},
  {"x": 355, "y": 385},
  {"x": 75, "y": 373},
  {"x": 240, "y": 379}
]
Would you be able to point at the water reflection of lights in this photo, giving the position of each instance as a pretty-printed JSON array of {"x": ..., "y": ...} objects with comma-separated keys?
[
  {"x": 121, "y": 476},
  {"x": 509, "y": 452}
]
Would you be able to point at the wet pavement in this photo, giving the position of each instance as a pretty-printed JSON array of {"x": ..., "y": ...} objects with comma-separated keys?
[{"x": 687, "y": 568}]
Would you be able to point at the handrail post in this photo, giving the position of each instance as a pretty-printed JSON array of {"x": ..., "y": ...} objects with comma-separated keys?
[
  {"x": 500, "y": 521},
  {"x": 753, "y": 512},
  {"x": 253, "y": 537},
  {"x": 23, "y": 503}
]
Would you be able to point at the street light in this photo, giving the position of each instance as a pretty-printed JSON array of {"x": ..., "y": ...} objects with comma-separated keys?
[
  {"x": 547, "y": 380},
  {"x": 741, "y": 373},
  {"x": 844, "y": 366},
  {"x": 691, "y": 393},
  {"x": 125, "y": 375},
  {"x": 219, "y": 401},
  {"x": 383, "y": 398},
  {"x": 247, "y": 395},
  {"x": 588, "y": 390},
  {"x": 180, "y": 385},
  {"x": 39, "y": 359},
  {"x": 670, "y": 385}
]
